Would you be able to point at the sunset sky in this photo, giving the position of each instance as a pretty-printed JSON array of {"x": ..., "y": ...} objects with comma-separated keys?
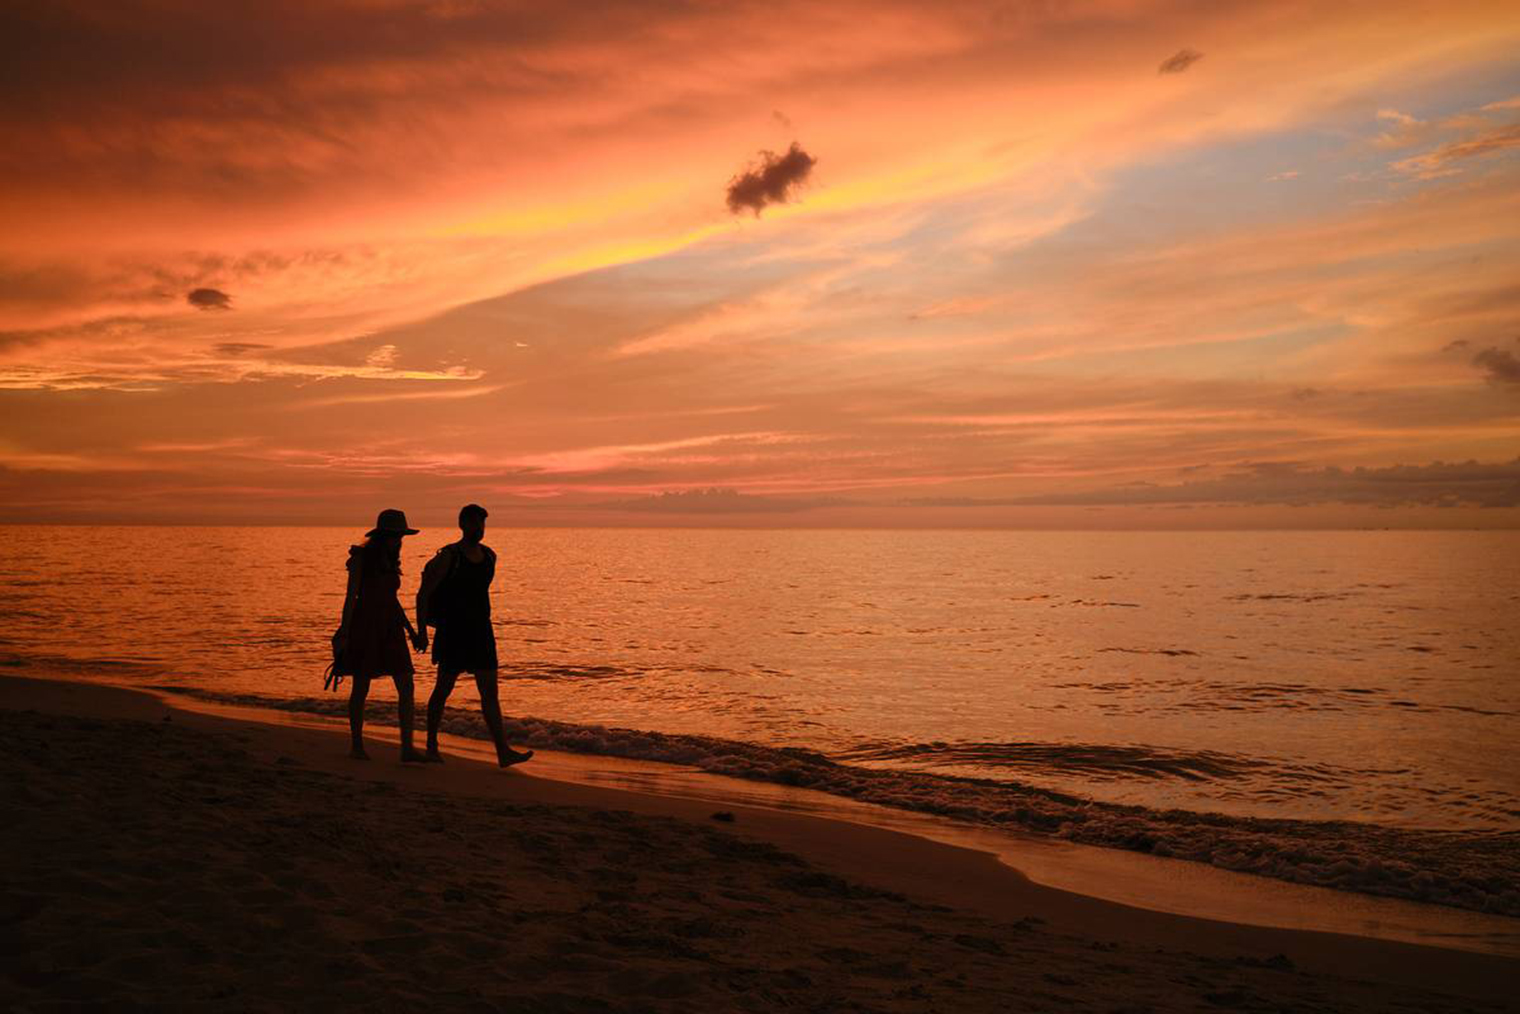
[{"x": 1110, "y": 262}]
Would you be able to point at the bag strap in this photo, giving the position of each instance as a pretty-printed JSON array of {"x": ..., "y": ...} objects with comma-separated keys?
[{"x": 356, "y": 576}]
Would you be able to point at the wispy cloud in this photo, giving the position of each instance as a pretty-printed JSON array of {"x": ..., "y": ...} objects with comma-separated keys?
[
  {"x": 451, "y": 393},
  {"x": 1443, "y": 161},
  {"x": 613, "y": 456},
  {"x": 1403, "y": 129},
  {"x": 710, "y": 501},
  {"x": 196, "y": 446}
]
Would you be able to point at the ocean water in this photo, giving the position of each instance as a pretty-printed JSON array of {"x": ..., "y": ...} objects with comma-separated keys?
[{"x": 1090, "y": 684}]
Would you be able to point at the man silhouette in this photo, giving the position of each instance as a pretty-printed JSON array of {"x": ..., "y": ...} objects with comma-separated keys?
[{"x": 455, "y": 598}]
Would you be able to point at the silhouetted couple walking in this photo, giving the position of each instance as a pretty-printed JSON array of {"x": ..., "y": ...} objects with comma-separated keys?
[{"x": 454, "y": 598}]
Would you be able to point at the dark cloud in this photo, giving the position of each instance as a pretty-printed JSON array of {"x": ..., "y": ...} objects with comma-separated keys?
[
  {"x": 1456, "y": 346},
  {"x": 209, "y": 299},
  {"x": 239, "y": 348},
  {"x": 1501, "y": 365},
  {"x": 1470, "y": 483},
  {"x": 771, "y": 182},
  {"x": 1179, "y": 61}
]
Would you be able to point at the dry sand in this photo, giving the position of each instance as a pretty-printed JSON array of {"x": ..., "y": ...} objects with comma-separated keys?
[{"x": 162, "y": 859}]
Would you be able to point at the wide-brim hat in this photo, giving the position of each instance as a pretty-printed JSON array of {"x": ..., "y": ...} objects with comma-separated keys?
[{"x": 390, "y": 522}]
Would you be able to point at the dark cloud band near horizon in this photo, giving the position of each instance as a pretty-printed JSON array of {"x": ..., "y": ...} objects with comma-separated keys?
[{"x": 1438, "y": 484}]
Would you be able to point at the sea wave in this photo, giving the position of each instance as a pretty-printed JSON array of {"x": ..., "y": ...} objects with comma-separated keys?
[
  {"x": 1187, "y": 695},
  {"x": 1471, "y": 869},
  {"x": 1092, "y": 760},
  {"x": 127, "y": 668}
]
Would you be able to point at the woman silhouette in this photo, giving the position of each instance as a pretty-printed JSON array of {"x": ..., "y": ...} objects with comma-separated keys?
[{"x": 377, "y": 628}]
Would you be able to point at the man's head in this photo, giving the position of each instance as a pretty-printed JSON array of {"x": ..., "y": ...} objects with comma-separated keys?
[{"x": 472, "y": 521}]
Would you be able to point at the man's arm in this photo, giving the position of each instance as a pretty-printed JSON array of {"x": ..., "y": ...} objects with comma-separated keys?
[{"x": 432, "y": 575}]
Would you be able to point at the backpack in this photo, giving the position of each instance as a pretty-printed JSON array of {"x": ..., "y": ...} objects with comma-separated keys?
[
  {"x": 438, "y": 598},
  {"x": 338, "y": 668}
]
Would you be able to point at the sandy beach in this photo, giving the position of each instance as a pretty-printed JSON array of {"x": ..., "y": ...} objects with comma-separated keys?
[{"x": 166, "y": 859}]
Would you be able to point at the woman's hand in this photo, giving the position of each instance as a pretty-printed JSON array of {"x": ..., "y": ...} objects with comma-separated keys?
[{"x": 419, "y": 639}]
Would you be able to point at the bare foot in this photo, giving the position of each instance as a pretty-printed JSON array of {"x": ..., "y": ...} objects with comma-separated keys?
[
  {"x": 434, "y": 757},
  {"x": 357, "y": 753},
  {"x": 410, "y": 756},
  {"x": 511, "y": 757}
]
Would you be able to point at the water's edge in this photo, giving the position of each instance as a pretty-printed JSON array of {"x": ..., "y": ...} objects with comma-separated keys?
[{"x": 1474, "y": 870}]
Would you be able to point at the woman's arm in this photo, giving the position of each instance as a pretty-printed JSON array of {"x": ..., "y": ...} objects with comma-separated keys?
[
  {"x": 350, "y": 599},
  {"x": 350, "y": 594},
  {"x": 419, "y": 641}
]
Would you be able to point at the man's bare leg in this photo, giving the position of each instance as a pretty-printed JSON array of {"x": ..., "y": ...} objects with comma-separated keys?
[
  {"x": 490, "y": 708},
  {"x": 406, "y": 708},
  {"x": 436, "y": 703}
]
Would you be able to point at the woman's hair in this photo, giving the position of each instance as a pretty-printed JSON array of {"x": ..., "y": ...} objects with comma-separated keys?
[{"x": 384, "y": 550}]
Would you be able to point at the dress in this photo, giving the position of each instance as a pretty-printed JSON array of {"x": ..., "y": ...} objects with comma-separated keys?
[
  {"x": 377, "y": 627},
  {"x": 465, "y": 641}
]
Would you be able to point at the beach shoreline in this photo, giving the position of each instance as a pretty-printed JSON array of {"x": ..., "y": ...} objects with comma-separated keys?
[
  {"x": 1366, "y": 879},
  {"x": 1134, "y": 878},
  {"x": 575, "y": 860}
]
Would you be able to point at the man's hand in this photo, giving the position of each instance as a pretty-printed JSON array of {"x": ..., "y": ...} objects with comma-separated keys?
[{"x": 419, "y": 640}]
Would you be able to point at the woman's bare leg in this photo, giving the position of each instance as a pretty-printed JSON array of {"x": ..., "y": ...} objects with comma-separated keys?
[
  {"x": 357, "y": 693},
  {"x": 436, "y": 704}
]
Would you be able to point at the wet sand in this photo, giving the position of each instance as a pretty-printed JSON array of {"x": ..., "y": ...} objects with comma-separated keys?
[{"x": 165, "y": 859}]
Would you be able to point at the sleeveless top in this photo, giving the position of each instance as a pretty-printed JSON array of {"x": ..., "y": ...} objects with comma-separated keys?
[
  {"x": 469, "y": 588},
  {"x": 465, "y": 641}
]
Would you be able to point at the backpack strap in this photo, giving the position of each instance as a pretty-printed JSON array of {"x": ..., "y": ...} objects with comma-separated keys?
[{"x": 452, "y": 549}]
